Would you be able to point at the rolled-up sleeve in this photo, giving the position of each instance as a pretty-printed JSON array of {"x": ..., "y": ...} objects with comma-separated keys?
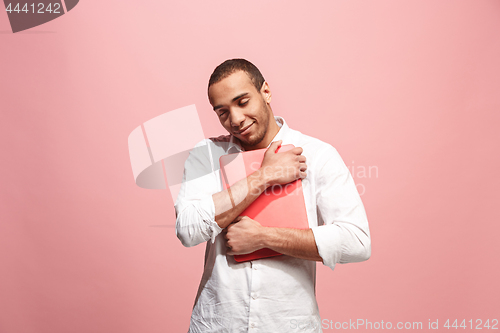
[
  {"x": 194, "y": 207},
  {"x": 344, "y": 235}
]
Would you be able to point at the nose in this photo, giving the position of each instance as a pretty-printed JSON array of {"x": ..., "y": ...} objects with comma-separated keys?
[{"x": 236, "y": 118}]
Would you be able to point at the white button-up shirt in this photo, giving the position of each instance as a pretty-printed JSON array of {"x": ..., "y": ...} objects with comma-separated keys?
[{"x": 274, "y": 294}]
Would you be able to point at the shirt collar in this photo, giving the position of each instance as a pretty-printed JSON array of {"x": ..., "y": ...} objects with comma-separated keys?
[{"x": 282, "y": 134}]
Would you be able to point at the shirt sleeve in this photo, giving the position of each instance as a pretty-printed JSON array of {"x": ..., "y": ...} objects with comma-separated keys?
[
  {"x": 344, "y": 235},
  {"x": 194, "y": 207}
]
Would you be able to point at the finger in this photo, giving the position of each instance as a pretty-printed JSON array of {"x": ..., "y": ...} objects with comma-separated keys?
[
  {"x": 303, "y": 174},
  {"x": 229, "y": 249},
  {"x": 274, "y": 146}
]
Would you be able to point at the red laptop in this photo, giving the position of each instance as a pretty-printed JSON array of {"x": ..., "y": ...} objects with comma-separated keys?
[{"x": 279, "y": 206}]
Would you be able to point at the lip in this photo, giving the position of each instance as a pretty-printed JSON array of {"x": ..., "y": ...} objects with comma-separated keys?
[{"x": 245, "y": 131}]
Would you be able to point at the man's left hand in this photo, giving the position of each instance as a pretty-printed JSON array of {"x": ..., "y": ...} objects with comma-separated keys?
[{"x": 243, "y": 236}]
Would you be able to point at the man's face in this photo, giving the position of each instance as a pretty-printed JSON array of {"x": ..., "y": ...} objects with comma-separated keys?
[{"x": 243, "y": 110}]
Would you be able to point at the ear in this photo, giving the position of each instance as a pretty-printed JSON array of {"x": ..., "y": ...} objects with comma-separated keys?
[{"x": 265, "y": 91}]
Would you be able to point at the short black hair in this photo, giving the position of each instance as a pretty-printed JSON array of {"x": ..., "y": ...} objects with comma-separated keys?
[{"x": 230, "y": 66}]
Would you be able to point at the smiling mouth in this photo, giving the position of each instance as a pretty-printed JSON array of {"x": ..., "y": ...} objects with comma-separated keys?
[{"x": 245, "y": 129}]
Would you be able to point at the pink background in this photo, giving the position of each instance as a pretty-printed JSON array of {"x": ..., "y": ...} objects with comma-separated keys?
[{"x": 409, "y": 88}]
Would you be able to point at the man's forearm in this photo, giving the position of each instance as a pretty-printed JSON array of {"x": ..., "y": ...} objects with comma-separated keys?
[
  {"x": 297, "y": 243},
  {"x": 234, "y": 200}
]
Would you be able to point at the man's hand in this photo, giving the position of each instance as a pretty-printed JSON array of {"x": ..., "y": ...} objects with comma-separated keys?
[
  {"x": 282, "y": 168},
  {"x": 243, "y": 236}
]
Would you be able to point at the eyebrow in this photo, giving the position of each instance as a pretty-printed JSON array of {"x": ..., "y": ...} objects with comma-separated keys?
[{"x": 234, "y": 99}]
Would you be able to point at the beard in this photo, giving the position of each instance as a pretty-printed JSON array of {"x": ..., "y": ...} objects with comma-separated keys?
[{"x": 258, "y": 136}]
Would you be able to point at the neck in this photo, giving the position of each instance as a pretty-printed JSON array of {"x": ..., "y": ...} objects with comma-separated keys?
[{"x": 272, "y": 130}]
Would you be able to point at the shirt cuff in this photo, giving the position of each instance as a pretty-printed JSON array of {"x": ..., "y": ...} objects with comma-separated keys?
[
  {"x": 207, "y": 212},
  {"x": 329, "y": 243}
]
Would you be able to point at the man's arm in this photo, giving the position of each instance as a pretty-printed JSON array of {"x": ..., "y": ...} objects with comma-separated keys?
[
  {"x": 202, "y": 216},
  {"x": 344, "y": 238},
  {"x": 247, "y": 235},
  {"x": 234, "y": 200},
  {"x": 297, "y": 243}
]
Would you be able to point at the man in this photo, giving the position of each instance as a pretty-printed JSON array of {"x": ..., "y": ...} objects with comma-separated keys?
[{"x": 274, "y": 294}]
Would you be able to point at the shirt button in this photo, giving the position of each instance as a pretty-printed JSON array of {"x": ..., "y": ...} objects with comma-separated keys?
[{"x": 253, "y": 296}]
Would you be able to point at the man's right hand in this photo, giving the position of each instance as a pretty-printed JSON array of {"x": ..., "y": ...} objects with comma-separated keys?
[{"x": 284, "y": 167}]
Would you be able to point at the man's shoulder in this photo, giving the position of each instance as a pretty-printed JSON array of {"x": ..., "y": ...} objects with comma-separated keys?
[
  {"x": 212, "y": 148},
  {"x": 318, "y": 152},
  {"x": 221, "y": 140},
  {"x": 312, "y": 144}
]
